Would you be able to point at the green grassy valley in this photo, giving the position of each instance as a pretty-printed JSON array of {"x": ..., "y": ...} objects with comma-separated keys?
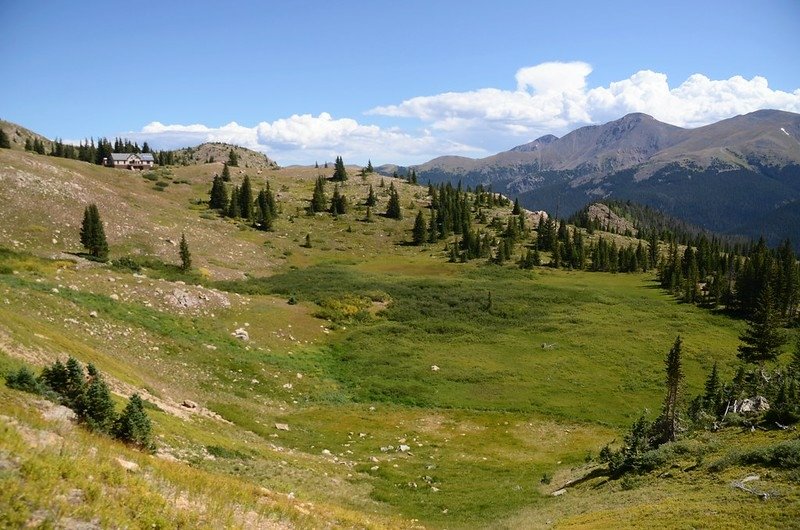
[{"x": 379, "y": 385}]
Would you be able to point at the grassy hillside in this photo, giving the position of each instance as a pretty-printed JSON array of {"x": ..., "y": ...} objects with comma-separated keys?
[{"x": 380, "y": 386}]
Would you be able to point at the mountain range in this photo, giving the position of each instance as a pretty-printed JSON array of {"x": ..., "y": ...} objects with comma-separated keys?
[{"x": 738, "y": 176}]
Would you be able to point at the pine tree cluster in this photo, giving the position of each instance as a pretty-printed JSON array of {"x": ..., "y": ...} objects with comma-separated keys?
[
  {"x": 707, "y": 274},
  {"x": 88, "y": 395},
  {"x": 261, "y": 211}
]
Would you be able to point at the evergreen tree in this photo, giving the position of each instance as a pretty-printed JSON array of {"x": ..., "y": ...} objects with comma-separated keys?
[
  {"x": 5, "y": 143},
  {"x": 54, "y": 377},
  {"x": 38, "y": 146},
  {"x": 516, "y": 210},
  {"x": 74, "y": 384},
  {"x": 246, "y": 199},
  {"x": 308, "y": 241},
  {"x": 93, "y": 236},
  {"x": 420, "y": 231},
  {"x": 97, "y": 405},
  {"x": 218, "y": 197},
  {"x": 318, "y": 199},
  {"x": 338, "y": 202},
  {"x": 372, "y": 200},
  {"x": 233, "y": 158},
  {"x": 273, "y": 206},
  {"x": 28, "y": 144},
  {"x": 667, "y": 425},
  {"x": 369, "y": 169},
  {"x": 393, "y": 209},
  {"x": 234, "y": 206},
  {"x": 265, "y": 209},
  {"x": 339, "y": 171},
  {"x": 763, "y": 337},
  {"x": 433, "y": 231},
  {"x": 368, "y": 217},
  {"x": 133, "y": 425},
  {"x": 87, "y": 225},
  {"x": 186, "y": 256},
  {"x": 226, "y": 173},
  {"x": 794, "y": 363},
  {"x": 712, "y": 386}
]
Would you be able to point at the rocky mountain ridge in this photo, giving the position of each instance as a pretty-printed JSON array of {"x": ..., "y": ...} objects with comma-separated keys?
[{"x": 718, "y": 176}]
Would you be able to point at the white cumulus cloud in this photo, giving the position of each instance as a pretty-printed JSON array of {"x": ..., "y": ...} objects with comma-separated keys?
[
  {"x": 553, "y": 77},
  {"x": 304, "y": 139},
  {"x": 554, "y": 97}
]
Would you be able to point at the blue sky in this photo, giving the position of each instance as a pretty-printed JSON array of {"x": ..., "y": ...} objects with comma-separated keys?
[{"x": 397, "y": 82}]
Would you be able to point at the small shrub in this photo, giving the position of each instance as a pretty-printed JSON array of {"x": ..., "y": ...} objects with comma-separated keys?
[
  {"x": 25, "y": 380},
  {"x": 628, "y": 483},
  {"x": 224, "y": 452},
  {"x": 345, "y": 308},
  {"x": 127, "y": 263},
  {"x": 784, "y": 455}
]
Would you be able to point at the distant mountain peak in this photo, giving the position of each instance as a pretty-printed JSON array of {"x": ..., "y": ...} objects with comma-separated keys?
[
  {"x": 536, "y": 144},
  {"x": 637, "y": 116}
]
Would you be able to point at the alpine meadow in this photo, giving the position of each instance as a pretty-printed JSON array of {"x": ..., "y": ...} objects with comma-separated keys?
[{"x": 452, "y": 266}]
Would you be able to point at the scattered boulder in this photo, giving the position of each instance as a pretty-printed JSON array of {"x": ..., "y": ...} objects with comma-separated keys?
[
  {"x": 128, "y": 465},
  {"x": 59, "y": 413},
  {"x": 282, "y": 426},
  {"x": 182, "y": 298},
  {"x": 754, "y": 405},
  {"x": 241, "y": 333},
  {"x": 434, "y": 368},
  {"x": 189, "y": 404},
  {"x": 93, "y": 314}
]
